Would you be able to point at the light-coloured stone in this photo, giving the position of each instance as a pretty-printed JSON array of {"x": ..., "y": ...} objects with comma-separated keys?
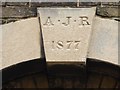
[
  {"x": 20, "y": 41},
  {"x": 104, "y": 42},
  {"x": 0, "y": 46},
  {"x": 66, "y": 33}
]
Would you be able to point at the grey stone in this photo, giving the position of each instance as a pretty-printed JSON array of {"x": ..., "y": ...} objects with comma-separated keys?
[
  {"x": 20, "y": 42},
  {"x": 18, "y": 12},
  {"x": 108, "y": 11},
  {"x": 0, "y": 46},
  {"x": 104, "y": 42},
  {"x": 66, "y": 33},
  {"x": 16, "y": 3}
]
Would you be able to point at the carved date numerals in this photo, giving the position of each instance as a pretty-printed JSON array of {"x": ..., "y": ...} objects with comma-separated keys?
[{"x": 68, "y": 45}]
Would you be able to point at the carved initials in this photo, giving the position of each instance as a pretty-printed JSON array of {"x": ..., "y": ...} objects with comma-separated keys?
[
  {"x": 48, "y": 22},
  {"x": 68, "y": 21},
  {"x": 84, "y": 20}
]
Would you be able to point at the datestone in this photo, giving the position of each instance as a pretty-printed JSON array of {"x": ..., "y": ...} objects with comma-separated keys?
[{"x": 66, "y": 33}]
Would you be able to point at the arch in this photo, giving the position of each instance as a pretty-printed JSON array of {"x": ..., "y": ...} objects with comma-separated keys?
[{"x": 67, "y": 75}]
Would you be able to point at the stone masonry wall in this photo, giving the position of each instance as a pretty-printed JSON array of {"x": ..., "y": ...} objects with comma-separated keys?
[{"x": 13, "y": 11}]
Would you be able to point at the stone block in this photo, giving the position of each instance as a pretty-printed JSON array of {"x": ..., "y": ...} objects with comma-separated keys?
[
  {"x": 104, "y": 42},
  {"x": 66, "y": 33},
  {"x": 108, "y": 11},
  {"x": 20, "y": 41},
  {"x": 19, "y": 12}
]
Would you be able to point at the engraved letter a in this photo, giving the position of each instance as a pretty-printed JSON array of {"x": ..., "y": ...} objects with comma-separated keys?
[{"x": 48, "y": 22}]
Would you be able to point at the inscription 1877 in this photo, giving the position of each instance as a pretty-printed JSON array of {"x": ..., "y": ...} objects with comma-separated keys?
[
  {"x": 82, "y": 20},
  {"x": 66, "y": 33},
  {"x": 67, "y": 45}
]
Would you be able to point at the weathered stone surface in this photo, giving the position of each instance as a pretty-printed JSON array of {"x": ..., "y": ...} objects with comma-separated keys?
[
  {"x": 18, "y": 12},
  {"x": 104, "y": 42},
  {"x": 17, "y": 3},
  {"x": 2, "y": 3},
  {"x": 0, "y": 46},
  {"x": 20, "y": 41},
  {"x": 104, "y": 9},
  {"x": 108, "y": 11},
  {"x": 66, "y": 33},
  {"x": 100, "y": 48},
  {"x": 53, "y": 4},
  {"x": 8, "y": 20}
]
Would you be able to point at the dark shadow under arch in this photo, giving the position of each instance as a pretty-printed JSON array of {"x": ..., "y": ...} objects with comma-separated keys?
[
  {"x": 24, "y": 68},
  {"x": 66, "y": 75}
]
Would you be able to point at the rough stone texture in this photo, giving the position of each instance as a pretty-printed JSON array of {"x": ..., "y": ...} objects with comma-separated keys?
[
  {"x": 64, "y": 4},
  {"x": 20, "y": 41},
  {"x": 65, "y": 35},
  {"x": 104, "y": 42},
  {"x": 8, "y": 20},
  {"x": 108, "y": 11},
  {"x": 17, "y": 3},
  {"x": 32, "y": 11},
  {"x": 52, "y": 4},
  {"x": 2, "y": 4},
  {"x": 19, "y": 12},
  {"x": 104, "y": 9}
]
